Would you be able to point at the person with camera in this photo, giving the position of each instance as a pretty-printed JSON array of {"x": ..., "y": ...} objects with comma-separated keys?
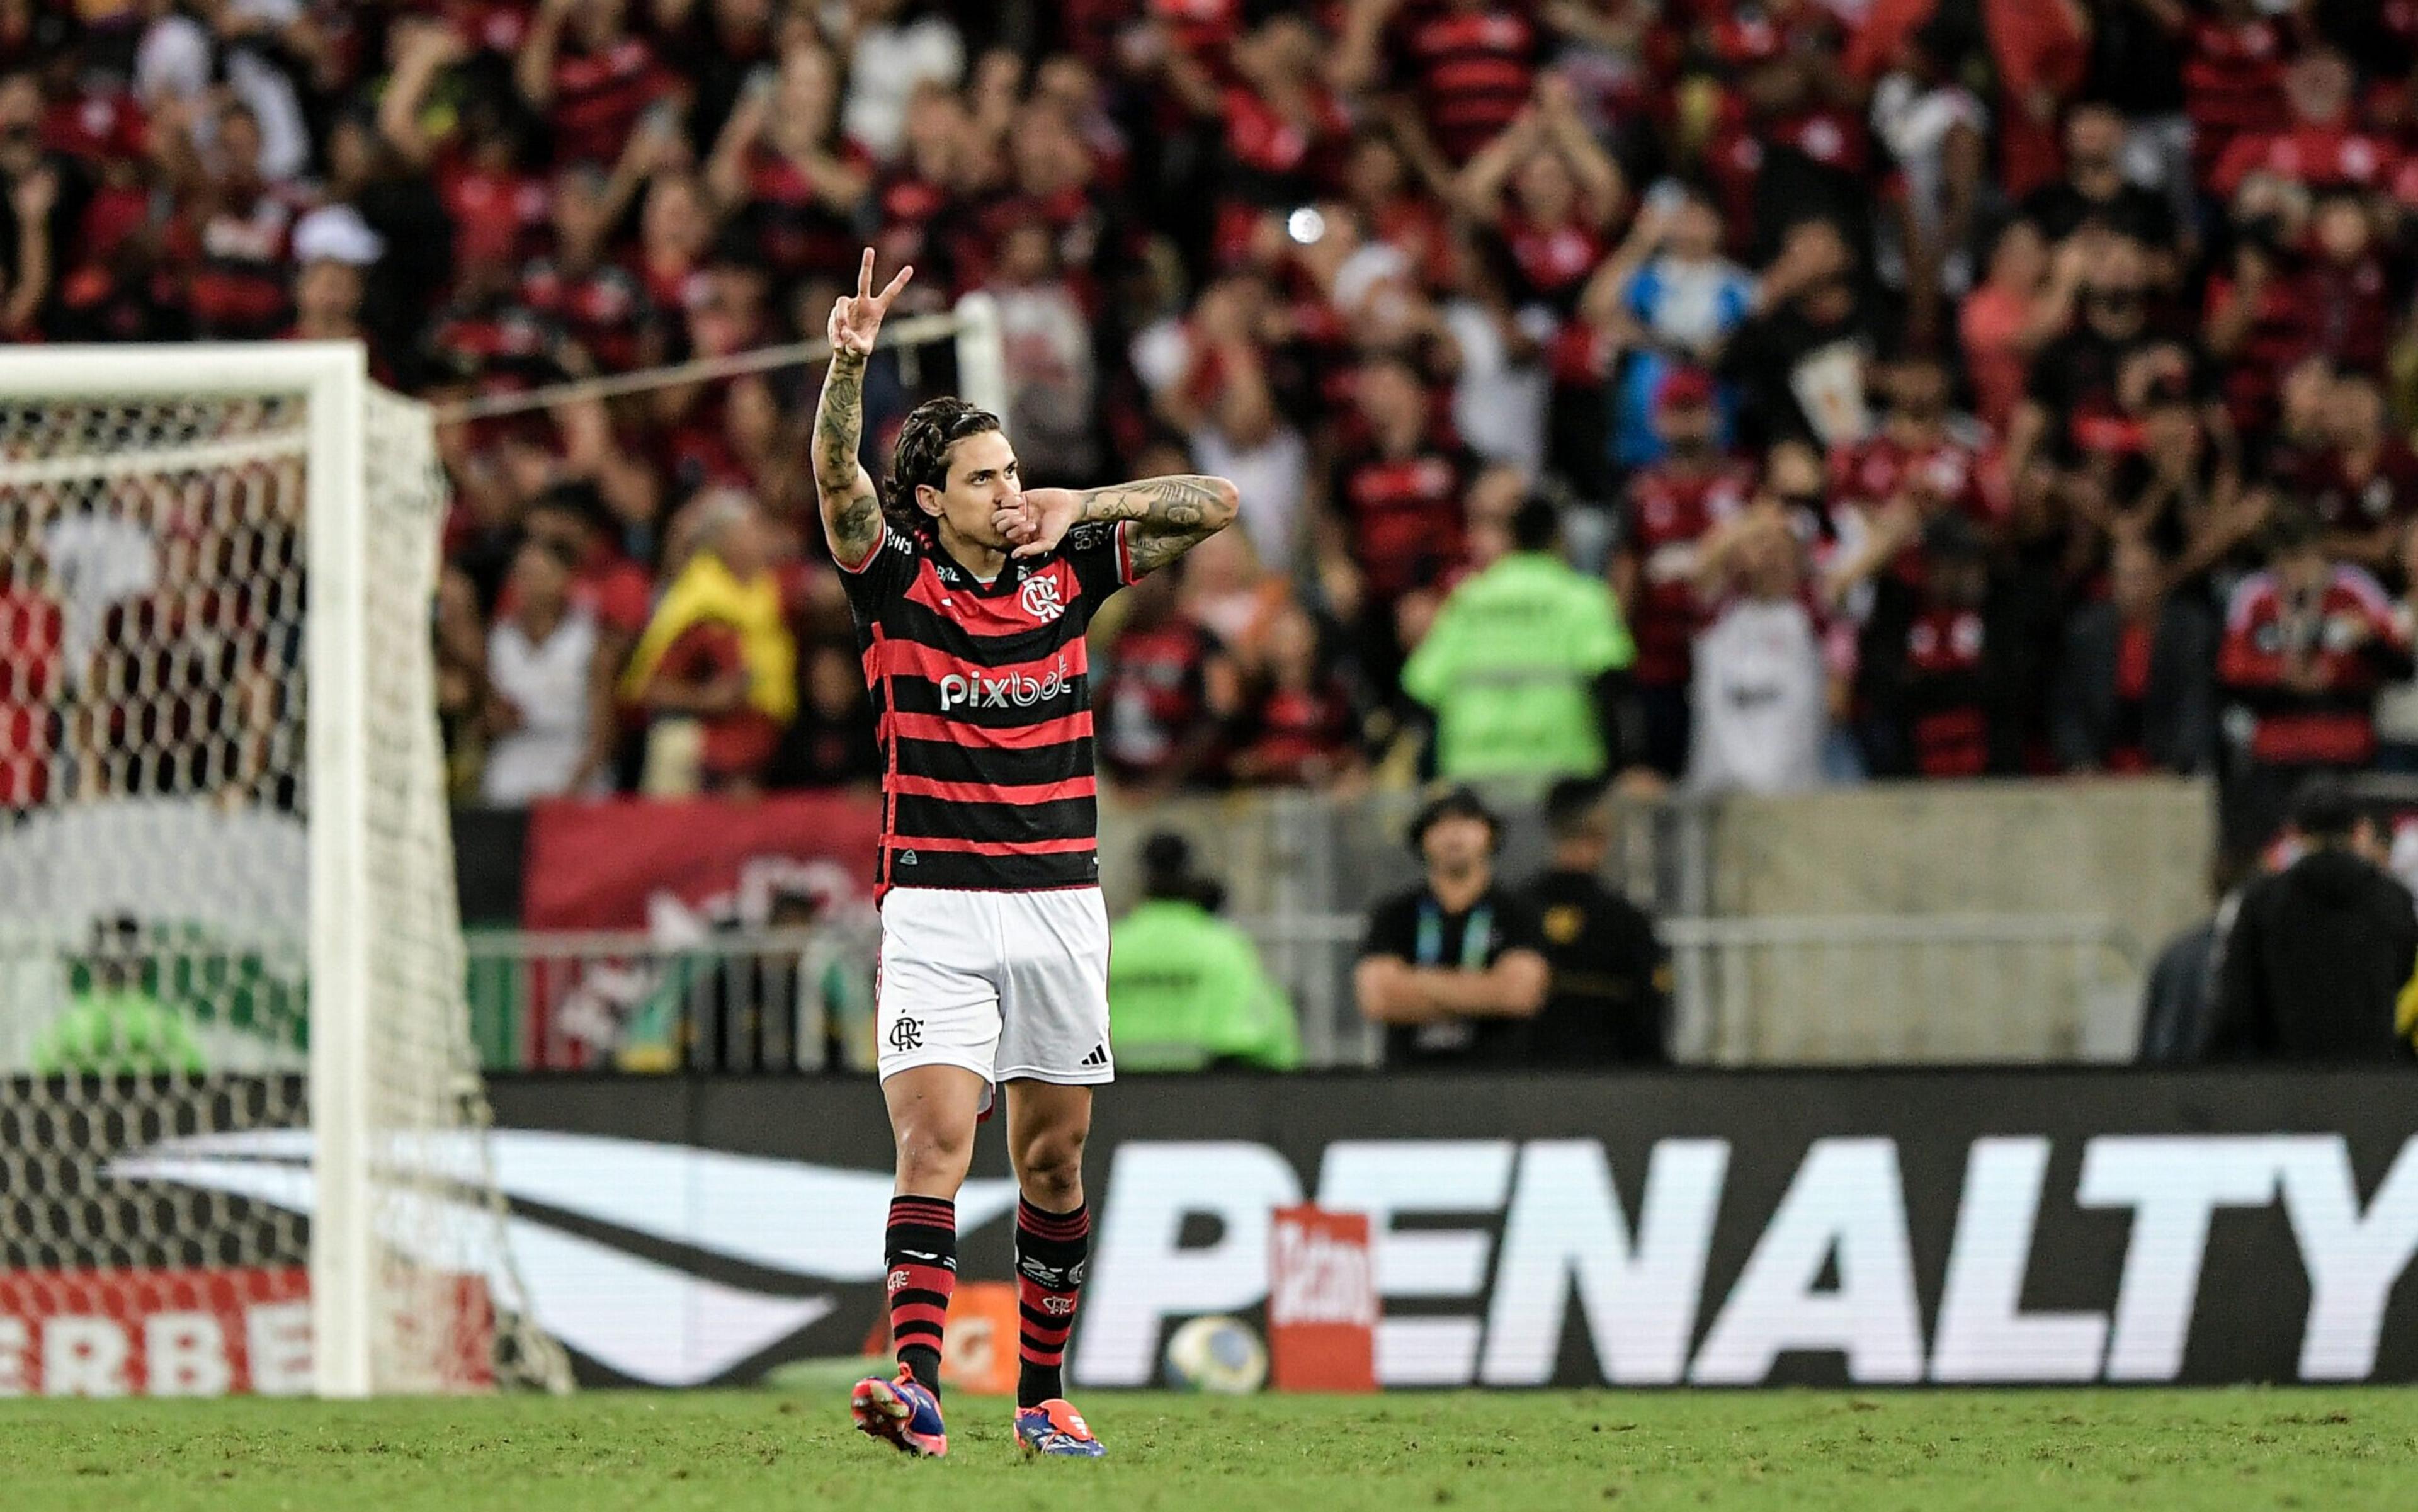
[{"x": 1454, "y": 968}]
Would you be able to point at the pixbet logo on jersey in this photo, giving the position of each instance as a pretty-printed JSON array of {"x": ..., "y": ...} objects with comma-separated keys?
[{"x": 1019, "y": 690}]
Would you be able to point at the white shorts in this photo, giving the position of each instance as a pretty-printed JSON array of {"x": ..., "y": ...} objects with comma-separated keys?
[{"x": 1005, "y": 985}]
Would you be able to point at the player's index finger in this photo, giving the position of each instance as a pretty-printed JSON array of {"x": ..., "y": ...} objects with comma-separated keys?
[
  {"x": 889, "y": 290},
  {"x": 865, "y": 275}
]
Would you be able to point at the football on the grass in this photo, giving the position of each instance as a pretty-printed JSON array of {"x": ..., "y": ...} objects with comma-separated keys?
[{"x": 1217, "y": 1354}]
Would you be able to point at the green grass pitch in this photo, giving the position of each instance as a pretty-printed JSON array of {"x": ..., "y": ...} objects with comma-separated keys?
[{"x": 735, "y": 1452}]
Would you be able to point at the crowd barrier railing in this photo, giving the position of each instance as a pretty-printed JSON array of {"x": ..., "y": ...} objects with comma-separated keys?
[{"x": 1967, "y": 988}]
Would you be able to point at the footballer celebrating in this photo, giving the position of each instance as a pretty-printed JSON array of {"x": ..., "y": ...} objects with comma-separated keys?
[{"x": 972, "y": 595}]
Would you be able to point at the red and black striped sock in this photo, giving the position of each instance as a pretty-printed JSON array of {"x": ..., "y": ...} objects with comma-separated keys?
[
  {"x": 921, "y": 1250},
  {"x": 1051, "y": 1248}
]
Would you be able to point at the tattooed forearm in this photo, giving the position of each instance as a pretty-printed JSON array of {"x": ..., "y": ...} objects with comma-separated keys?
[
  {"x": 839, "y": 419},
  {"x": 1171, "y": 515},
  {"x": 851, "y": 509}
]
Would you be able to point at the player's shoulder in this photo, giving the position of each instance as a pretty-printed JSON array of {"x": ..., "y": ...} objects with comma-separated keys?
[{"x": 898, "y": 548}]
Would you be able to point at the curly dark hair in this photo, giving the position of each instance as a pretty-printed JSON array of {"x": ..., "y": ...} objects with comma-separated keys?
[{"x": 922, "y": 454}]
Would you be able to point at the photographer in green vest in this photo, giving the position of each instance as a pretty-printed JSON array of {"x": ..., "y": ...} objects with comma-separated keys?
[{"x": 1186, "y": 991}]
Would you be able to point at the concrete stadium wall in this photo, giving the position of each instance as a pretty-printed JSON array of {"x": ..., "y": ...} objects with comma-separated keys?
[
  {"x": 2132, "y": 855},
  {"x": 2134, "y": 852}
]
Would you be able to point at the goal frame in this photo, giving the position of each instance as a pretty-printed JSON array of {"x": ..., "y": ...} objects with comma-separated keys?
[{"x": 333, "y": 380}]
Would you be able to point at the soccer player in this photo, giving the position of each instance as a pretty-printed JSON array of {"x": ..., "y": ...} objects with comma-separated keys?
[{"x": 971, "y": 594}]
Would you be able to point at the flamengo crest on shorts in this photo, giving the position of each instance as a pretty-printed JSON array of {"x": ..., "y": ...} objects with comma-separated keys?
[{"x": 983, "y": 709}]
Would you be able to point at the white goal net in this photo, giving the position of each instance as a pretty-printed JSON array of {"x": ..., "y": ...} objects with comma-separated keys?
[{"x": 241, "y": 1131}]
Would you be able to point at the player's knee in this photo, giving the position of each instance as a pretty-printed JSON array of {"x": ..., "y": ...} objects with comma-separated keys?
[
  {"x": 1051, "y": 1170},
  {"x": 933, "y": 1157}
]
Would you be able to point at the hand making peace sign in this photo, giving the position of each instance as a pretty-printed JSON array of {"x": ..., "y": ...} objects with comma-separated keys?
[{"x": 856, "y": 319}]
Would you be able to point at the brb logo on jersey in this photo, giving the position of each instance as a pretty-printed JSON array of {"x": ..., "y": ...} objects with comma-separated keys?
[
  {"x": 1019, "y": 690},
  {"x": 1040, "y": 599}
]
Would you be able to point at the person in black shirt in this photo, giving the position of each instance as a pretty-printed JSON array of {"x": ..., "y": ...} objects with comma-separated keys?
[
  {"x": 1611, "y": 997},
  {"x": 2095, "y": 190},
  {"x": 1452, "y": 968},
  {"x": 2320, "y": 951}
]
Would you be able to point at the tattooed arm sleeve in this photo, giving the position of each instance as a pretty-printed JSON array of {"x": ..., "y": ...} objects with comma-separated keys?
[
  {"x": 851, "y": 508},
  {"x": 1170, "y": 516}
]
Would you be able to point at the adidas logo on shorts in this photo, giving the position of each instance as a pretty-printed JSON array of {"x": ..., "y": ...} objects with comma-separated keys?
[{"x": 1099, "y": 1056}]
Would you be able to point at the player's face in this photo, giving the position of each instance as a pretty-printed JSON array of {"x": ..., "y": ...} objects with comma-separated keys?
[{"x": 983, "y": 479}]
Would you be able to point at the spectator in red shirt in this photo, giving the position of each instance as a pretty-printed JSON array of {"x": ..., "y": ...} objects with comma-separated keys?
[
  {"x": 783, "y": 165},
  {"x": 31, "y": 667},
  {"x": 589, "y": 73},
  {"x": 2078, "y": 380},
  {"x": 831, "y": 742},
  {"x": 2233, "y": 77},
  {"x": 598, "y": 304},
  {"x": 230, "y": 234},
  {"x": 1164, "y": 695},
  {"x": 2320, "y": 145},
  {"x": 675, "y": 228},
  {"x": 1283, "y": 132},
  {"x": 2344, "y": 294},
  {"x": 1467, "y": 65},
  {"x": 2363, "y": 490},
  {"x": 1943, "y": 666},
  {"x": 1378, "y": 184},
  {"x": 1914, "y": 457},
  {"x": 2135, "y": 692},
  {"x": 2026, "y": 298},
  {"x": 914, "y": 195},
  {"x": 1395, "y": 499},
  {"x": 1671, "y": 504},
  {"x": 2307, "y": 644},
  {"x": 2252, "y": 319},
  {"x": 1299, "y": 727},
  {"x": 2167, "y": 490}
]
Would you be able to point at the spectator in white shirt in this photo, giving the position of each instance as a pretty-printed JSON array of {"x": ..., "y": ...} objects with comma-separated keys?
[
  {"x": 1760, "y": 683},
  {"x": 891, "y": 50},
  {"x": 540, "y": 678}
]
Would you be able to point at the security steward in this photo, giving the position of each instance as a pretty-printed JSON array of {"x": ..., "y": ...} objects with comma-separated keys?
[
  {"x": 1452, "y": 967},
  {"x": 1610, "y": 1002}
]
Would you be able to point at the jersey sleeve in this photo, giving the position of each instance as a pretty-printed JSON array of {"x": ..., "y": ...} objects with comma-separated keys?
[
  {"x": 881, "y": 576},
  {"x": 1102, "y": 556}
]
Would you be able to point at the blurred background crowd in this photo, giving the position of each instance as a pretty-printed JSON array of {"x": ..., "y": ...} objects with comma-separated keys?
[{"x": 1737, "y": 394}]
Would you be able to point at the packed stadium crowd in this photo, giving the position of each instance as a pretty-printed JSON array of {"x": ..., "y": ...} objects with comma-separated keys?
[{"x": 1737, "y": 393}]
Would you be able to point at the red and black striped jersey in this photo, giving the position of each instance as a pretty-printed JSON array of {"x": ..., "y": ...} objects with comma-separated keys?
[{"x": 983, "y": 711}]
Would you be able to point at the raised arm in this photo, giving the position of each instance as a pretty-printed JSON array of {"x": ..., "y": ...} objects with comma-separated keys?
[
  {"x": 851, "y": 508},
  {"x": 1171, "y": 515}
]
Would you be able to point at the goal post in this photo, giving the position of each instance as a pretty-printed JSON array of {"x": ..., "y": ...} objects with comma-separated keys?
[{"x": 219, "y": 753}]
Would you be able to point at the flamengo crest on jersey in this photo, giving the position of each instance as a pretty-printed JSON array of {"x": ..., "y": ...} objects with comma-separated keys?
[{"x": 982, "y": 703}]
